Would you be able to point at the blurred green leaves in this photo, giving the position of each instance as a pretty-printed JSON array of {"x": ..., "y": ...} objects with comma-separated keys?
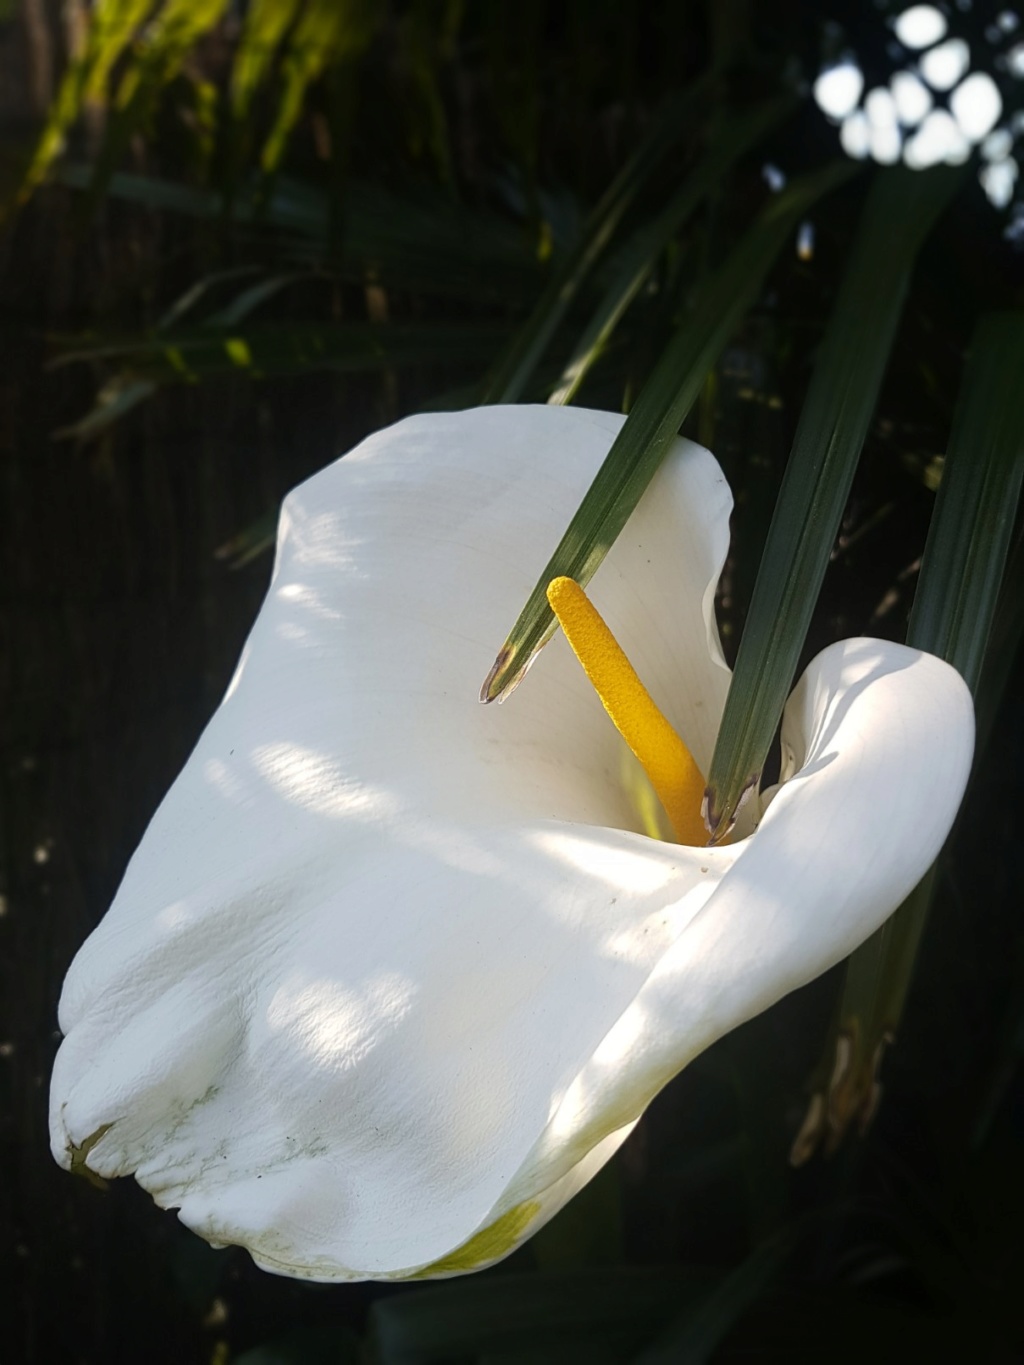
[
  {"x": 147, "y": 44},
  {"x": 326, "y": 32},
  {"x": 260, "y": 351}
]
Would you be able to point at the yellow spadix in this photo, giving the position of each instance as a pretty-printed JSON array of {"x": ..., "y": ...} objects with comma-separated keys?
[{"x": 666, "y": 760}]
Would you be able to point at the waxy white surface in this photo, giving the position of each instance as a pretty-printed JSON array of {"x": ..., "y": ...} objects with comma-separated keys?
[{"x": 388, "y": 963}]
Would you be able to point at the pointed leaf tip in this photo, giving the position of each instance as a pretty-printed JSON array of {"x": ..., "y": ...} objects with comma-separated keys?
[
  {"x": 493, "y": 686},
  {"x": 505, "y": 676}
]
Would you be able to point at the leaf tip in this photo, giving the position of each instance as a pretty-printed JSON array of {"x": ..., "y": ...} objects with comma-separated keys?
[
  {"x": 504, "y": 677},
  {"x": 494, "y": 685},
  {"x": 720, "y": 815}
]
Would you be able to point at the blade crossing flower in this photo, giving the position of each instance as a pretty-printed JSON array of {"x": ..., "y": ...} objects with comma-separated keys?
[{"x": 393, "y": 974}]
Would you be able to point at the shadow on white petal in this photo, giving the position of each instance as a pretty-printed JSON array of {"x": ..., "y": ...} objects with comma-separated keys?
[
  {"x": 304, "y": 596},
  {"x": 319, "y": 540},
  {"x": 319, "y": 784},
  {"x": 619, "y": 868},
  {"x": 837, "y": 687},
  {"x": 224, "y": 779},
  {"x": 339, "y": 1028}
]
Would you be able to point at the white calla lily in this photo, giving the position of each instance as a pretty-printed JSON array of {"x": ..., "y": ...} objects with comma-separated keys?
[{"x": 393, "y": 974}]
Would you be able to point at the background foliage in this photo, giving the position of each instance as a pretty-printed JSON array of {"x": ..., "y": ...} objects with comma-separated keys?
[{"x": 236, "y": 240}]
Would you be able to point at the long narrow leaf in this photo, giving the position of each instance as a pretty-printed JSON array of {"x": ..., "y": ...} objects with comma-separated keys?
[
  {"x": 115, "y": 399},
  {"x": 113, "y": 26},
  {"x": 194, "y": 295},
  {"x": 157, "y": 60},
  {"x": 280, "y": 348},
  {"x": 416, "y": 240},
  {"x": 969, "y": 538},
  {"x": 512, "y": 373},
  {"x": 266, "y": 23},
  {"x": 263, "y": 350},
  {"x": 326, "y": 32},
  {"x": 249, "y": 300},
  {"x": 655, "y": 419},
  {"x": 704, "y": 1324},
  {"x": 636, "y": 263},
  {"x": 900, "y": 211},
  {"x": 954, "y": 607}
]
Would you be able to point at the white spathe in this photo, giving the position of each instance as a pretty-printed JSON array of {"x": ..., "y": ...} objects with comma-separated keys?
[{"x": 390, "y": 968}]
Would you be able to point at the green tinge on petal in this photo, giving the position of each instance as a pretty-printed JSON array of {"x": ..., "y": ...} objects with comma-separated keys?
[{"x": 487, "y": 1245}]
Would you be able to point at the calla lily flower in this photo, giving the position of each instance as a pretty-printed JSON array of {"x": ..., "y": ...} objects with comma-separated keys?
[{"x": 393, "y": 974}]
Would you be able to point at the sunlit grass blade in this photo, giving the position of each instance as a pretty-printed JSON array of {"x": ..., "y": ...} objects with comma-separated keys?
[
  {"x": 655, "y": 419},
  {"x": 954, "y": 608},
  {"x": 158, "y": 56},
  {"x": 512, "y": 372},
  {"x": 266, "y": 23},
  {"x": 112, "y": 27},
  {"x": 326, "y": 32},
  {"x": 636, "y": 262},
  {"x": 901, "y": 208},
  {"x": 165, "y": 44}
]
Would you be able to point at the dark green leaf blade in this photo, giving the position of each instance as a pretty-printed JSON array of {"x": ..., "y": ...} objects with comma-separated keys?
[
  {"x": 829, "y": 438},
  {"x": 692, "y": 1338},
  {"x": 655, "y": 419},
  {"x": 641, "y": 253},
  {"x": 513, "y": 370},
  {"x": 954, "y": 608},
  {"x": 284, "y": 348},
  {"x": 969, "y": 537},
  {"x": 411, "y": 238},
  {"x": 531, "y": 1313}
]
